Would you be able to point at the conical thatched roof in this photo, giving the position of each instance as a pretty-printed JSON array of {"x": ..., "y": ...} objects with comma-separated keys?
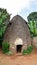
[{"x": 18, "y": 28}]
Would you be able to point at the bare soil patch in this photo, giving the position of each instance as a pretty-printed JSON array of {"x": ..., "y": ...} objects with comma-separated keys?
[{"x": 30, "y": 59}]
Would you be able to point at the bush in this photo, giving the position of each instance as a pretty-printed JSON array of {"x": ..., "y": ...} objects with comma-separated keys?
[
  {"x": 5, "y": 47},
  {"x": 28, "y": 51},
  {"x": 9, "y": 53},
  {"x": 4, "y": 21}
]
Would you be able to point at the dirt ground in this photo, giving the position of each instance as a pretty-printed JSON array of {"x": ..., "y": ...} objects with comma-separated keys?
[{"x": 30, "y": 59}]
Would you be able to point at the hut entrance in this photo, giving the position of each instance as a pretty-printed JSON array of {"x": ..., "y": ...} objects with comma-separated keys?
[
  {"x": 19, "y": 44},
  {"x": 18, "y": 48}
]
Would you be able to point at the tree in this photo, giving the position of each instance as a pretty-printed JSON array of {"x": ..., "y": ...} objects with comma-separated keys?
[
  {"x": 4, "y": 20},
  {"x": 32, "y": 23},
  {"x": 32, "y": 16}
]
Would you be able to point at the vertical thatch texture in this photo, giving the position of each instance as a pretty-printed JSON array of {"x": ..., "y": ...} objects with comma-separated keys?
[{"x": 17, "y": 29}]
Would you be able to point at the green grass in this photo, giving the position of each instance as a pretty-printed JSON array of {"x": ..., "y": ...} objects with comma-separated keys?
[
  {"x": 5, "y": 47},
  {"x": 9, "y": 53},
  {"x": 28, "y": 51}
]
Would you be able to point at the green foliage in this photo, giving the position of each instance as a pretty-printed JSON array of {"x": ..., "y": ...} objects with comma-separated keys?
[
  {"x": 28, "y": 51},
  {"x": 32, "y": 16},
  {"x": 9, "y": 53},
  {"x": 2, "y": 30},
  {"x": 4, "y": 15},
  {"x": 32, "y": 23},
  {"x": 5, "y": 47},
  {"x": 4, "y": 20},
  {"x": 33, "y": 27}
]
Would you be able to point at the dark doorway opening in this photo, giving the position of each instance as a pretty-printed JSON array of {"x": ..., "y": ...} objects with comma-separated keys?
[{"x": 18, "y": 48}]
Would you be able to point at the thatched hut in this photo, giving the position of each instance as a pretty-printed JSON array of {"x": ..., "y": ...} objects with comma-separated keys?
[{"x": 18, "y": 34}]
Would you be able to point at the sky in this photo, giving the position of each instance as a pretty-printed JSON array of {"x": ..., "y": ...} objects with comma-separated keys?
[{"x": 20, "y": 7}]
